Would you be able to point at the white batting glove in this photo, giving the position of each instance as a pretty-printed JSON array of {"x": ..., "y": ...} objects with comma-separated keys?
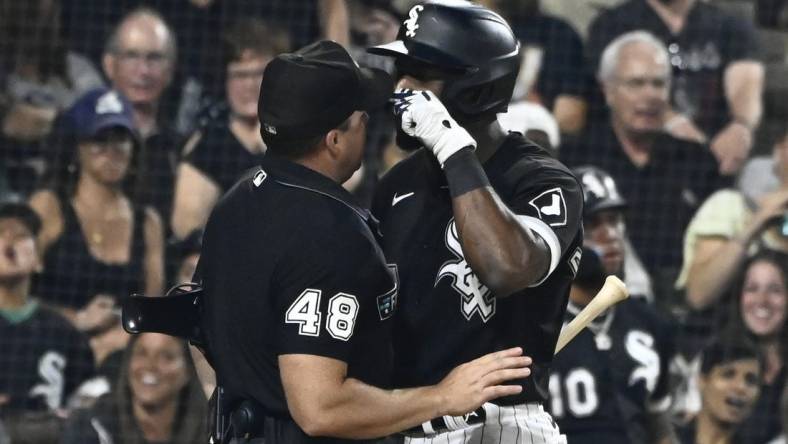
[{"x": 423, "y": 116}]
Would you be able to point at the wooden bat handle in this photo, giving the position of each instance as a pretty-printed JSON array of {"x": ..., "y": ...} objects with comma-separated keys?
[{"x": 612, "y": 292}]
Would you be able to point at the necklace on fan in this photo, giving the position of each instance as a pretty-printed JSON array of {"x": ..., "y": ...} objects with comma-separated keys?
[{"x": 96, "y": 238}]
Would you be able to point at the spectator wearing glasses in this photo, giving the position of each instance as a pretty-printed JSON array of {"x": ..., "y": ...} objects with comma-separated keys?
[
  {"x": 718, "y": 80},
  {"x": 99, "y": 245},
  {"x": 139, "y": 60},
  {"x": 663, "y": 178},
  {"x": 229, "y": 141}
]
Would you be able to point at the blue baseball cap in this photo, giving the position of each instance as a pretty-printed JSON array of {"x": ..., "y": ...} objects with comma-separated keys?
[{"x": 100, "y": 109}]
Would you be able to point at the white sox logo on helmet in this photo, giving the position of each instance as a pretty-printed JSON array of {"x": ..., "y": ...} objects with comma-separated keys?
[
  {"x": 413, "y": 17},
  {"x": 476, "y": 297}
]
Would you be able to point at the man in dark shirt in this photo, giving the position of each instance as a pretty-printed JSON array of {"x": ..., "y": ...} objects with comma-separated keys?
[
  {"x": 663, "y": 178},
  {"x": 44, "y": 359},
  {"x": 299, "y": 299},
  {"x": 139, "y": 61},
  {"x": 611, "y": 384},
  {"x": 717, "y": 78},
  {"x": 484, "y": 226}
]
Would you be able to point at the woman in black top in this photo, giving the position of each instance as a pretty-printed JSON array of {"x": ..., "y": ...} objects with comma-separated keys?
[
  {"x": 229, "y": 143},
  {"x": 98, "y": 246}
]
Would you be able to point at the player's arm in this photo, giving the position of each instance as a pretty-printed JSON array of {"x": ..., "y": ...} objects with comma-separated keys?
[
  {"x": 324, "y": 401},
  {"x": 504, "y": 251}
]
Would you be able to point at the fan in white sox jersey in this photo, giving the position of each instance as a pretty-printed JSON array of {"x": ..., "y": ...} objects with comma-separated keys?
[
  {"x": 484, "y": 226},
  {"x": 610, "y": 384},
  {"x": 42, "y": 357}
]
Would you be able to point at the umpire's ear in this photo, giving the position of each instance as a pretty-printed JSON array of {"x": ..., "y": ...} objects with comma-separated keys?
[{"x": 333, "y": 142}]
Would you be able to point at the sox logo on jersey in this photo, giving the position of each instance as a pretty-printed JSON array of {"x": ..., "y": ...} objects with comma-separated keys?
[{"x": 476, "y": 297}]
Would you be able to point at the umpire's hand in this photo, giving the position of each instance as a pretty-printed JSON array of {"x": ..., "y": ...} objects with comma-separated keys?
[{"x": 472, "y": 384}]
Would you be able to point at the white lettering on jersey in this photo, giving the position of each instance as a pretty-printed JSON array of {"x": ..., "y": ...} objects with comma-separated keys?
[
  {"x": 551, "y": 207},
  {"x": 413, "y": 17},
  {"x": 582, "y": 399},
  {"x": 574, "y": 261},
  {"x": 342, "y": 313},
  {"x": 640, "y": 346},
  {"x": 581, "y": 392},
  {"x": 305, "y": 311},
  {"x": 556, "y": 398},
  {"x": 476, "y": 297},
  {"x": 50, "y": 369}
]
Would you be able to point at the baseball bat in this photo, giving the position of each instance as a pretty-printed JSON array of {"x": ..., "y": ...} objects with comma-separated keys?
[{"x": 612, "y": 292}]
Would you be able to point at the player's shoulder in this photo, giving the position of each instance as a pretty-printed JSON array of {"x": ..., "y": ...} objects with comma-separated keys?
[{"x": 521, "y": 160}]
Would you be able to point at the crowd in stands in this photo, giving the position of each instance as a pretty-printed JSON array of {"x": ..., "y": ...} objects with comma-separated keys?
[{"x": 123, "y": 122}]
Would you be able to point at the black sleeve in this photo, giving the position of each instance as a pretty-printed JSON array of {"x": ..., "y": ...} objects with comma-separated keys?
[
  {"x": 745, "y": 45},
  {"x": 550, "y": 202},
  {"x": 328, "y": 284},
  {"x": 205, "y": 156}
]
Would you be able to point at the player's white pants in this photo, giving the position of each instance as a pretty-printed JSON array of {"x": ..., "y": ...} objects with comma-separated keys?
[{"x": 516, "y": 424}]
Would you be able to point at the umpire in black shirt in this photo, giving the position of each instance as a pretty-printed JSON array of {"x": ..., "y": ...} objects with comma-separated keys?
[{"x": 298, "y": 296}]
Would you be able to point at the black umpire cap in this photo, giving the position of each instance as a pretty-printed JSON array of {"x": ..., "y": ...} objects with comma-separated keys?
[{"x": 309, "y": 92}]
